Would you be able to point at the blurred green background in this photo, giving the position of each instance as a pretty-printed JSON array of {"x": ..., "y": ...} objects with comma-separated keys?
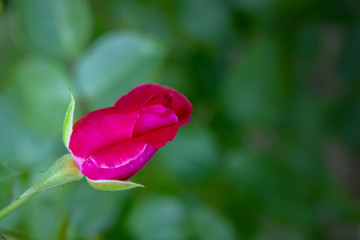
[{"x": 273, "y": 147}]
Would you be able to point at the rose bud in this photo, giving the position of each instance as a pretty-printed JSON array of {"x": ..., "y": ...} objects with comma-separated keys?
[{"x": 115, "y": 143}]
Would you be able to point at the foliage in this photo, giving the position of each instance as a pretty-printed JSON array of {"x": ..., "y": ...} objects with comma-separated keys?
[
  {"x": 272, "y": 148},
  {"x": 7, "y": 182}
]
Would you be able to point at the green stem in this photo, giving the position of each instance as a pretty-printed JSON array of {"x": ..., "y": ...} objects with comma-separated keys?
[
  {"x": 62, "y": 171},
  {"x": 14, "y": 205}
]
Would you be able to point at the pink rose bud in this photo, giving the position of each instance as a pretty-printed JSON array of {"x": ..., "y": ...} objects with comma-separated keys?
[{"x": 115, "y": 143}]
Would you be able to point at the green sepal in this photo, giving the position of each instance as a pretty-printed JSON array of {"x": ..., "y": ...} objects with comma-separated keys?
[
  {"x": 112, "y": 185},
  {"x": 68, "y": 121},
  {"x": 62, "y": 171}
]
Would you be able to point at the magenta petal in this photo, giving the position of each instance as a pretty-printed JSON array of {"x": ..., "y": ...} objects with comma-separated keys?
[
  {"x": 100, "y": 129},
  {"x": 160, "y": 137},
  {"x": 152, "y": 118},
  {"x": 116, "y": 142},
  {"x": 119, "y": 154},
  {"x": 139, "y": 95},
  {"x": 144, "y": 93},
  {"x": 125, "y": 168}
]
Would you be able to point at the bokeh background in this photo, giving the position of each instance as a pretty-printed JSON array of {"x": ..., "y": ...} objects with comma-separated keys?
[{"x": 273, "y": 148}]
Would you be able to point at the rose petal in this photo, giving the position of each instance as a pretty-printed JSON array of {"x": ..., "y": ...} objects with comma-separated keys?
[
  {"x": 143, "y": 93},
  {"x": 119, "y": 154},
  {"x": 116, "y": 142},
  {"x": 152, "y": 118},
  {"x": 160, "y": 137},
  {"x": 124, "y": 170},
  {"x": 125, "y": 159},
  {"x": 101, "y": 129}
]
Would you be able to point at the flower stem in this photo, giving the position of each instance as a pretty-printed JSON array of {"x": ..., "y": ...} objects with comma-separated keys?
[
  {"x": 62, "y": 171},
  {"x": 14, "y": 205}
]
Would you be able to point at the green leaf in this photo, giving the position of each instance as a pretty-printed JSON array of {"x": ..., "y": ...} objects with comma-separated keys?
[
  {"x": 158, "y": 217},
  {"x": 112, "y": 185},
  {"x": 59, "y": 28},
  {"x": 68, "y": 121},
  {"x": 95, "y": 216},
  {"x": 199, "y": 159},
  {"x": 8, "y": 177},
  {"x": 117, "y": 62},
  {"x": 42, "y": 84},
  {"x": 211, "y": 21},
  {"x": 62, "y": 171},
  {"x": 208, "y": 224},
  {"x": 245, "y": 78}
]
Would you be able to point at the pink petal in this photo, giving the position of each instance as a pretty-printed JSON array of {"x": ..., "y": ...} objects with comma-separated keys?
[
  {"x": 116, "y": 142},
  {"x": 123, "y": 160},
  {"x": 144, "y": 93},
  {"x": 152, "y": 118},
  {"x": 101, "y": 129},
  {"x": 160, "y": 137},
  {"x": 125, "y": 168},
  {"x": 119, "y": 154}
]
